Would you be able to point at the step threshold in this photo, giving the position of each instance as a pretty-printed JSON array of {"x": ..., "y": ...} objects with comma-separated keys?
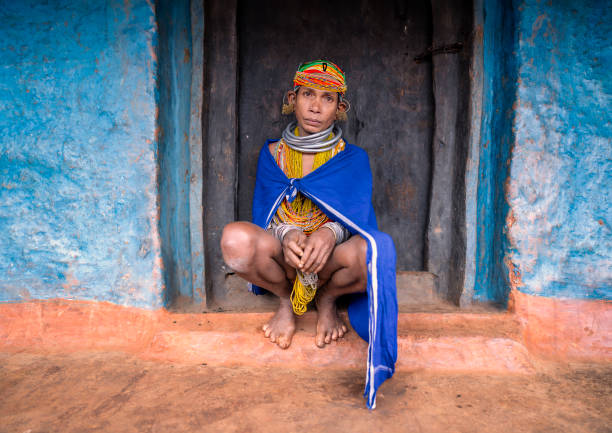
[{"x": 451, "y": 342}]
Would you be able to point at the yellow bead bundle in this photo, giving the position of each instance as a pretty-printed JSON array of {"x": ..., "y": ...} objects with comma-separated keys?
[{"x": 302, "y": 213}]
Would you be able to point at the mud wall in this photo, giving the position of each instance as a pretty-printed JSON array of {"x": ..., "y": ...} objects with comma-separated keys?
[
  {"x": 78, "y": 148},
  {"x": 539, "y": 163},
  {"x": 558, "y": 190},
  {"x": 180, "y": 142},
  {"x": 493, "y": 82},
  {"x": 83, "y": 181}
]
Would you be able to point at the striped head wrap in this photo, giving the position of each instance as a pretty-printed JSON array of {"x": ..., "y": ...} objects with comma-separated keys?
[{"x": 322, "y": 75}]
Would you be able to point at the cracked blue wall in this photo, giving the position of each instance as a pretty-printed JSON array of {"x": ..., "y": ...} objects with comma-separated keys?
[
  {"x": 496, "y": 138},
  {"x": 78, "y": 168},
  {"x": 560, "y": 225},
  {"x": 81, "y": 189},
  {"x": 175, "y": 61},
  {"x": 544, "y": 155}
]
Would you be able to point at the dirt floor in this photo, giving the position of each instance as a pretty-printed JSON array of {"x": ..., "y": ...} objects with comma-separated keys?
[{"x": 105, "y": 392}]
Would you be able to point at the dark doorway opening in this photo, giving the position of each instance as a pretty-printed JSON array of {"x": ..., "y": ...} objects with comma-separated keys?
[
  {"x": 391, "y": 97},
  {"x": 410, "y": 117}
]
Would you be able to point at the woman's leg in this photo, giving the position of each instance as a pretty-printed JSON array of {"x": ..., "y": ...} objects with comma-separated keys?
[
  {"x": 344, "y": 273},
  {"x": 257, "y": 256}
]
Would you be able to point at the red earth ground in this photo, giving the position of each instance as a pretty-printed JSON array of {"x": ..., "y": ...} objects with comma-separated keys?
[{"x": 113, "y": 392}]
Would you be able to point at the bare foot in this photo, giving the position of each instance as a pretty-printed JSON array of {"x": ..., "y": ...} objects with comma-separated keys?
[
  {"x": 329, "y": 326},
  {"x": 281, "y": 327}
]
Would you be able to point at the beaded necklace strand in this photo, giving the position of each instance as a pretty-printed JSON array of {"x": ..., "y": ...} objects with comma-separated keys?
[{"x": 302, "y": 213}]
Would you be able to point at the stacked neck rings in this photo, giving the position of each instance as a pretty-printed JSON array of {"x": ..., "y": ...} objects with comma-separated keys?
[{"x": 314, "y": 143}]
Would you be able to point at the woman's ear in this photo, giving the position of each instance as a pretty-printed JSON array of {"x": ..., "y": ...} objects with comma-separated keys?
[
  {"x": 291, "y": 96},
  {"x": 343, "y": 107},
  {"x": 289, "y": 106}
]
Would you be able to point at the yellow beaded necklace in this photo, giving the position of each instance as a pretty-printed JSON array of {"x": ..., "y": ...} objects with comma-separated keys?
[{"x": 302, "y": 212}]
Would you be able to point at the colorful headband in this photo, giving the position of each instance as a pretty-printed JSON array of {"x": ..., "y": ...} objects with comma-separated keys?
[{"x": 322, "y": 75}]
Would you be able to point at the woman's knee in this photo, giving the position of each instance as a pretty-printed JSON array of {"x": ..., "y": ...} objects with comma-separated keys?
[
  {"x": 351, "y": 255},
  {"x": 238, "y": 245},
  {"x": 355, "y": 252},
  {"x": 362, "y": 249},
  {"x": 358, "y": 259}
]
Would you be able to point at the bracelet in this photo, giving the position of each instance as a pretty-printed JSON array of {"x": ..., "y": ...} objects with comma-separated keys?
[
  {"x": 340, "y": 233},
  {"x": 281, "y": 230},
  {"x": 333, "y": 231}
]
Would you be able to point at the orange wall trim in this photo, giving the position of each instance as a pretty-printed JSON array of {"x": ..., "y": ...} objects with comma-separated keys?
[
  {"x": 77, "y": 325},
  {"x": 562, "y": 330},
  {"x": 65, "y": 326},
  {"x": 565, "y": 329}
]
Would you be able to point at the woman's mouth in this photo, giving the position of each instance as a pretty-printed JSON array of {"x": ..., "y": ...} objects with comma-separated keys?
[{"x": 312, "y": 122}]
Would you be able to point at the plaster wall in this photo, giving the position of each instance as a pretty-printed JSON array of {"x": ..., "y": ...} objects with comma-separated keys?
[
  {"x": 558, "y": 190},
  {"x": 78, "y": 152},
  {"x": 493, "y": 81},
  {"x": 175, "y": 76},
  {"x": 81, "y": 188},
  {"x": 180, "y": 148}
]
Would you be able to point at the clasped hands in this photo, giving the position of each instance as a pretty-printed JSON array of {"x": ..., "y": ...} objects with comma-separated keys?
[{"x": 309, "y": 254}]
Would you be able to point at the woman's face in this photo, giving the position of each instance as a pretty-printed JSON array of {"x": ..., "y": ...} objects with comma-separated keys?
[{"x": 315, "y": 110}]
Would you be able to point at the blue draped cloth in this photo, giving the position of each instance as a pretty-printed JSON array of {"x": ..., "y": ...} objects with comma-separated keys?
[{"x": 342, "y": 188}]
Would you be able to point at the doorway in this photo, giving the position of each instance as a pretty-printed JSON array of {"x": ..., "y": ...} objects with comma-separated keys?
[
  {"x": 400, "y": 109},
  {"x": 391, "y": 97}
]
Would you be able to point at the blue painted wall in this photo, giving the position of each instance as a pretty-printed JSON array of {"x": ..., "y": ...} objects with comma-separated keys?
[
  {"x": 496, "y": 138},
  {"x": 78, "y": 162},
  {"x": 175, "y": 63},
  {"x": 560, "y": 225},
  {"x": 543, "y": 153},
  {"x": 88, "y": 207}
]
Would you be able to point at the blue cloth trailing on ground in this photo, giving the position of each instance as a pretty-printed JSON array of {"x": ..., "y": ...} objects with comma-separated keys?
[{"x": 342, "y": 188}]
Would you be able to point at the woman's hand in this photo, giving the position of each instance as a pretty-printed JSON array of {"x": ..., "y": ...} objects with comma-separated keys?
[
  {"x": 293, "y": 247},
  {"x": 316, "y": 251}
]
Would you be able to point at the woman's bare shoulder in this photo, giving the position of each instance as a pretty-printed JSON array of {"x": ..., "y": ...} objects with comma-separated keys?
[{"x": 272, "y": 146}]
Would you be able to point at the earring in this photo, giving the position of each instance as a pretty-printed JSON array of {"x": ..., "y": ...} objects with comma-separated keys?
[
  {"x": 341, "y": 115},
  {"x": 287, "y": 107},
  {"x": 348, "y": 105}
]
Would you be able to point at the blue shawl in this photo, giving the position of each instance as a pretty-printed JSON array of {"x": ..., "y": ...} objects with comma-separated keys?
[{"x": 342, "y": 188}]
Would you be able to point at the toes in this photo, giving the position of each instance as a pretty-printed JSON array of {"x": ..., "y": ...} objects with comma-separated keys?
[
  {"x": 342, "y": 329},
  {"x": 320, "y": 339},
  {"x": 334, "y": 335},
  {"x": 284, "y": 342},
  {"x": 265, "y": 327},
  {"x": 267, "y": 332},
  {"x": 328, "y": 337}
]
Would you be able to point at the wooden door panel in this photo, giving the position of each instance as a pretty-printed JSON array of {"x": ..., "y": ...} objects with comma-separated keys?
[{"x": 391, "y": 97}]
